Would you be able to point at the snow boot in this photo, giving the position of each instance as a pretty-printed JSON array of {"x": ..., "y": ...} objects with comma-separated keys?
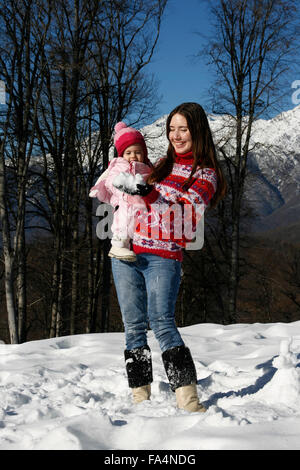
[
  {"x": 187, "y": 399},
  {"x": 139, "y": 372},
  {"x": 181, "y": 373},
  {"x": 142, "y": 393},
  {"x": 122, "y": 253}
]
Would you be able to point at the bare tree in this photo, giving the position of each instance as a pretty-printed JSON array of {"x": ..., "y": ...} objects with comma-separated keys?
[
  {"x": 23, "y": 33},
  {"x": 292, "y": 275},
  {"x": 72, "y": 69},
  {"x": 252, "y": 42},
  {"x": 124, "y": 39},
  {"x": 92, "y": 78}
]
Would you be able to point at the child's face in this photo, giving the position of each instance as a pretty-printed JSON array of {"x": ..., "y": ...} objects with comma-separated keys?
[{"x": 134, "y": 153}]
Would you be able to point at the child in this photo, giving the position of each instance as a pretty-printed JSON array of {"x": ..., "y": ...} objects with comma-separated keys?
[{"x": 132, "y": 158}]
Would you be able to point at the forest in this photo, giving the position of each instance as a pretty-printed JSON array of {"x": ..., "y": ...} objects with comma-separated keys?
[{"x": 71, "y": 70}]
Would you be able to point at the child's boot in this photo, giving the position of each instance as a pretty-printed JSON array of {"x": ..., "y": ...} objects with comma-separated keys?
[{"x": 122, "y": 253}]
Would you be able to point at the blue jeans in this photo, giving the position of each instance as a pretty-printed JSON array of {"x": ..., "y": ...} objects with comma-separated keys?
[{"x": 147, "y": 291}]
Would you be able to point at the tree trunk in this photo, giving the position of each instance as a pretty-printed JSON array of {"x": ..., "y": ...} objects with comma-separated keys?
[
  {"x": 106, "y": 277},
  {"x": 75, "y": 282},
  {"x": 8, "y": 255},
  {"x": 21, "y": 287},
  {"x": 233, "y": 273}
]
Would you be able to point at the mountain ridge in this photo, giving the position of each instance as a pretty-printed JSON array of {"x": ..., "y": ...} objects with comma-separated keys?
[{"x": 273, "y": 184}]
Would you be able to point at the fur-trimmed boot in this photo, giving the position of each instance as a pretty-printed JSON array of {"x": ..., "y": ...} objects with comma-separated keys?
[
  {"x": 142, "y": 393},
  {"x": 181, "y": 373},
  {"x": 139, "y": 372},
  {"x": 187, "y": 399}
]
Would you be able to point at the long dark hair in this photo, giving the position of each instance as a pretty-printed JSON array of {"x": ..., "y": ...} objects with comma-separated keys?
[{"x": 203, "y": 149}]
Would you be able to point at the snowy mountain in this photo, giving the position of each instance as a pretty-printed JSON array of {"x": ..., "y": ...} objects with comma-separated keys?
[
  {"x": 273, "y": 185},
  {"x": 277, "y": 166}
]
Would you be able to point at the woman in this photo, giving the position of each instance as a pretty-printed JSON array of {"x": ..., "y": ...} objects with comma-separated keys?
[{"x": 147, "y": 289}]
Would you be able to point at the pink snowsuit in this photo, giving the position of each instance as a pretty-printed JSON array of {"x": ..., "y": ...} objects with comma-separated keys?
[{"x": 124, "y": 218}]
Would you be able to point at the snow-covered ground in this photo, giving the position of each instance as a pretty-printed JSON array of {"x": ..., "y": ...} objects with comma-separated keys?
[{"x": 71, "y": 393}]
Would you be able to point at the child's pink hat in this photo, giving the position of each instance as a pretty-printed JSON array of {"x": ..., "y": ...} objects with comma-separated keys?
[{"x": 127, "y": 136}]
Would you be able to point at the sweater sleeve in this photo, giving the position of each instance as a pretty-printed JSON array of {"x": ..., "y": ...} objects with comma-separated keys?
[
  {"x": 170, "y": 196},
  {"x": 169, "y": 191}
]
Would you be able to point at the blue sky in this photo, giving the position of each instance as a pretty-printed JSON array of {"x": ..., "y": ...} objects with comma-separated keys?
[{"x": 182, "y": 77}]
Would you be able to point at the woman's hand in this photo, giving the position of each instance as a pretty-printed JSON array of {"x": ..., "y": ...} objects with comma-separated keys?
[{"x": 143, "y": 189}]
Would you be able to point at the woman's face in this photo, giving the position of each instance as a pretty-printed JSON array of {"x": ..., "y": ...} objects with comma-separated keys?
[{"x": 179, "y": 134}]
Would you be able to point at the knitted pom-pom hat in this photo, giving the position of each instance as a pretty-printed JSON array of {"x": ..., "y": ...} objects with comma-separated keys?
[{"x": 127, "y": 136}]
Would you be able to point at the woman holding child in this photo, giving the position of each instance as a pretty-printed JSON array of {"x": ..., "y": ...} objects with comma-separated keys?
[{"x": 147, "y": 285}]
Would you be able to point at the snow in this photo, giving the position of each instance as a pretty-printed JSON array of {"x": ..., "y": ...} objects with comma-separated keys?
[
  {"x": 128, "y": 181},
  {"x": 71, "y": 393}
]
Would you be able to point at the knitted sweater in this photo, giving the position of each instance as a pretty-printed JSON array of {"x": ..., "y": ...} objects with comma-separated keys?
[{"x": 159, "y": 230}]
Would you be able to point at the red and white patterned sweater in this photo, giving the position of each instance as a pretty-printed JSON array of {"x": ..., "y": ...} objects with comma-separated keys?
[{"x": 159, "y": 230}]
